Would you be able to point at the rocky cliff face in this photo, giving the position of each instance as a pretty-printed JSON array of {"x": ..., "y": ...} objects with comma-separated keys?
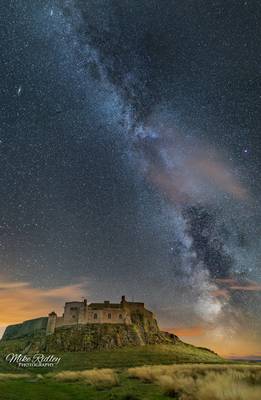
[
  {"x": 26, "y": 329},
  {"x": 93, "y": 337},
  {"x": 103, "y": 336}
]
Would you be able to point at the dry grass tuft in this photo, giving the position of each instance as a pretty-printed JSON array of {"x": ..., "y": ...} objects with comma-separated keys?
[
  {"x": 147, "y": 373},
  {"x": 179, "y": 387},
  {"x": 227, "y": 386},
  {"x": 10, "y": 376},
  {"x": 204, "y": 382},
  {"x": 97, "y": 377}
]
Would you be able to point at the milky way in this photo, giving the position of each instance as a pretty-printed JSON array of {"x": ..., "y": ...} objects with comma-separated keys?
[{"x": 131, "y": 156}]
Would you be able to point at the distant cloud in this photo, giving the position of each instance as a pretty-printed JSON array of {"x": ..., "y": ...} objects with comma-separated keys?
[
  {"x": 253, "y": 357},
  {"x": 185, "y": 171},
  {"x": 250, "y": 286},
  {"x": 219, "y": 174},
  {"x": 20, "y": 301},
  {"x": 230, "y": 284},
  {"x": 220, "y": 293}
]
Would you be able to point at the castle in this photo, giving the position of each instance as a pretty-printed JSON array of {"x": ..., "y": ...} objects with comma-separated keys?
[{"x": 80, "y": 313}]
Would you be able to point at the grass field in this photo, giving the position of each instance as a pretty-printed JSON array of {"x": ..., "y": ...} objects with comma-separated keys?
[
  {"x": 179, "y": 381},
  {"x": 177, "y": 371}
]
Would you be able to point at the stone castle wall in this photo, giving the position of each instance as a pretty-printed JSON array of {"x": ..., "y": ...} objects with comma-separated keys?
[
  {"x": 26, "y": 328},
  {"x": 79, "y": 313}
]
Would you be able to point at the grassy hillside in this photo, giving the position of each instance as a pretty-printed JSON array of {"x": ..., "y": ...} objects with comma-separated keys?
[
  {"x": 151, "y": 372},
  {"x": 124, "y": 357},
  {"x": 140, "y": 355}
]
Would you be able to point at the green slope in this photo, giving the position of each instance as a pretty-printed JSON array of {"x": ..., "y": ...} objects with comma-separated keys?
[{"x": 127, "y": 357}]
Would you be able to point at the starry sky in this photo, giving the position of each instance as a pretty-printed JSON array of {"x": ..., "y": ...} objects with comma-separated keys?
[{"x": 130, "y": 161}]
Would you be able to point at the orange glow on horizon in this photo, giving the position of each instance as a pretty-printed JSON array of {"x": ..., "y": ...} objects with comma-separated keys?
[
  {"x": 184, "y": 331},
  {"x": 213, "y": 338},
  {"x": 19, "y": 301}
]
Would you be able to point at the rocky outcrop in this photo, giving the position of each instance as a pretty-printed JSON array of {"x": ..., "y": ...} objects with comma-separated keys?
[
  {"x": 91, "y": 337},
  {"x": 103, "y": 336},
  {"x": 87, "y": 337},
  {"x": 28, "y": 328}
]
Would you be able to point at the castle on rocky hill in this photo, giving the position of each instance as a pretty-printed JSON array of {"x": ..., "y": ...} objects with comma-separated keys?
[
  {"x": 87, "y": 327},
  {"x": 80, "y": 313}
]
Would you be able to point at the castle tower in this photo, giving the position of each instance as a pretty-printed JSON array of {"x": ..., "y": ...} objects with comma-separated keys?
[
  {"x": 52, "y": 317},
  {"x": 83, "y": 312}
]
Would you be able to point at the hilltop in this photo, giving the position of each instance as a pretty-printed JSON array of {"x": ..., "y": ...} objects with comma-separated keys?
[
  {"x": 108, "y": 346},
  {"x": 124, "y": 332},
  {"x": 125, "y": 357}
]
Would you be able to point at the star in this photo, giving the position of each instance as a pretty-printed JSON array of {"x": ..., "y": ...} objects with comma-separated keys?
[
  {"x": 130, "y": 150},
  {"x": 19, "y": 90}
]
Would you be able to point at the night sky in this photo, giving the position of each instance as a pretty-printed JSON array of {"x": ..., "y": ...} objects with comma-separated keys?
[{"x": 130, "y": 160}]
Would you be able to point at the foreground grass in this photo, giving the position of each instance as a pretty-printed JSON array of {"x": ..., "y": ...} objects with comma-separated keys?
[
  {"x": 53, "y": 389},
  {"x": 203, "y": 382},
  {"x": 96, "y": 377},
  {"x": 183, "y": 382}
]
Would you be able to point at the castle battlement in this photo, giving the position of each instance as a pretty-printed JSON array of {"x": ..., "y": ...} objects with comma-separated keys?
[{"x": 80, "y": 313}]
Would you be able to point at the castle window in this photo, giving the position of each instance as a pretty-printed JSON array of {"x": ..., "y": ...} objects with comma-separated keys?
[
  {"x": 95, "y": 316},
  {"x": 109, "y": 316},
  {"x": 120, "y": 316}
]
